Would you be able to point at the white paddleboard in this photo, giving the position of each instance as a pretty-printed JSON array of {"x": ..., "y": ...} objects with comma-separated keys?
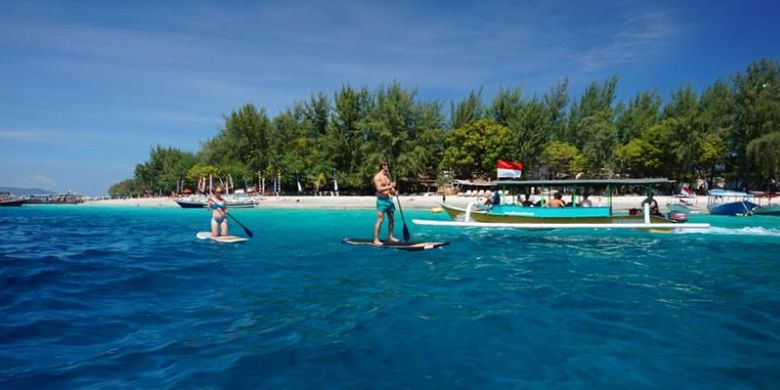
[{"x": 207, "y": 236}]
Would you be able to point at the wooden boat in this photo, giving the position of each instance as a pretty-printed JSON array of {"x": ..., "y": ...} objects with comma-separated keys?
[
  {"x": 725, "y": 202},
  {"x": 7, "y": 200},
  {"x": 69, "y": 198},
  {"x": 535, "y": 217},
  {"x": 233, "y": 202}
]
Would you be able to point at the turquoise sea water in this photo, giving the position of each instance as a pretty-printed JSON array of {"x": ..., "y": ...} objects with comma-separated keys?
[{"x": 128, "y": 298}]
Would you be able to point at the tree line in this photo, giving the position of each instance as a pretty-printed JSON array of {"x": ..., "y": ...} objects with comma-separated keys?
[{"x": 731, "y": 130}]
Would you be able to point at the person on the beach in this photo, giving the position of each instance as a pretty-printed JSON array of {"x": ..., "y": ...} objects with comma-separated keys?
[
  {"x": 218, "y": 207},
  {"x": 385, "y": 189},
  {"x": 557, "y": 201}
]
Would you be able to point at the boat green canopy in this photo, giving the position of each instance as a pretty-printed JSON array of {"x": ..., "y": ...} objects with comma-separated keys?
[{"x": 585, "y": 182}]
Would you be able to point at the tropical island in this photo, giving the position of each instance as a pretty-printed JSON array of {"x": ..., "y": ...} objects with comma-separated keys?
[{"x": 726, "y": 135}]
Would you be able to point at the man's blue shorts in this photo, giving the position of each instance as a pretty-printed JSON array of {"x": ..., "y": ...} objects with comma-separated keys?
[{"x": 385, "y": 205}]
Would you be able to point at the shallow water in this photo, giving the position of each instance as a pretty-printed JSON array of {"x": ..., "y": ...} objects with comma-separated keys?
[{"x": 125, "y": 297}]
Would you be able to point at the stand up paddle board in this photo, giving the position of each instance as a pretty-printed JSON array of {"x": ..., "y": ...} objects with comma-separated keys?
[
  {"x": 404, "y": 246},
  {"x": 207, "y": 236}
]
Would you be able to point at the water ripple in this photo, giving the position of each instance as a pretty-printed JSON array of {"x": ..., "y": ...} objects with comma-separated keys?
[{"x": 128, "y": 298}]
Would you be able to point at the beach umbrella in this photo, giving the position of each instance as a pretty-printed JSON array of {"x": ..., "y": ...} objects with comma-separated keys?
[
  {"x": 335, "y": 182},
  {"x": 298, "y": 181}
]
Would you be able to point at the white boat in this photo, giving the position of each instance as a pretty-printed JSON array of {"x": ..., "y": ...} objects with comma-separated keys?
[{"x": 725, "y": 202}]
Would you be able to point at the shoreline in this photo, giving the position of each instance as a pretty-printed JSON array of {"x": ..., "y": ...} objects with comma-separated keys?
[{"x": 408, "y": 202}]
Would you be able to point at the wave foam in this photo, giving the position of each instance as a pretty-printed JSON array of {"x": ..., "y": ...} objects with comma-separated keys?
[{"x": 745, "y": 231}]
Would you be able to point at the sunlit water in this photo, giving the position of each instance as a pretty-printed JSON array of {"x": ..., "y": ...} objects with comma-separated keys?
[{"x": 125, "y": 297}]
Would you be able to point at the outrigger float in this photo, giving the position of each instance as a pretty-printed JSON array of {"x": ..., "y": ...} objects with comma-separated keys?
[{"x": 526, "y": 216}]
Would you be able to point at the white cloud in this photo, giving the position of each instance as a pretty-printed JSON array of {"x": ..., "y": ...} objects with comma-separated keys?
[{"x": 41, "y": 180}]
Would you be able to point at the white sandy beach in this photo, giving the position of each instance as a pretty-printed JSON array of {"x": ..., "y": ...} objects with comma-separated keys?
[{"x": 419, "y": 202}]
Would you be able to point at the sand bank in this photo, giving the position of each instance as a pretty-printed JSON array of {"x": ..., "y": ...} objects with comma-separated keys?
[{"x": 418, "y": 202}]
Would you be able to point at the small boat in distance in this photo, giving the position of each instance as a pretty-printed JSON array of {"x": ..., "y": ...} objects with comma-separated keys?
[
  {"x": 235, "y": 201},
  {"x": 726, "y": 202},
  {"x": 69, "y": 198},
  {"x": 684, "y": 202},
  {"x": 768, "y": 208},
  {"x": 10, "y": 201}
]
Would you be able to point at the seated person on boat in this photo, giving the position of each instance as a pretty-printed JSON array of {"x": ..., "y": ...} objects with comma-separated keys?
[
  {"x": 585, "y": 202},
  {"x": 654, "y": 210},
  {"x": 557, "y": 201}
]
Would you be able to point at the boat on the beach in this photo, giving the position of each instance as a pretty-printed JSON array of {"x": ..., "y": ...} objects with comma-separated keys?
[
  {"x": 528, "y": 215},
  {"x": 726, "y": 202},
  {"x": 69, "y": 198},
  {"x": 685, "y": 202},
  {"x": 768, "y": 208},
  {"x": 235, "y": 201},
  {"x": 7, "y": 200}
]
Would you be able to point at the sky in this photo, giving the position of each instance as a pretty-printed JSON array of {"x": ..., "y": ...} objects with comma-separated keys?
[{"x": 87, "y": 88}]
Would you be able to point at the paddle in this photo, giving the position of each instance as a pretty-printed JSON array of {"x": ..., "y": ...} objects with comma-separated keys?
[
  {"x": 407, "y": 236},
  {"x": 246, "y": 229}
]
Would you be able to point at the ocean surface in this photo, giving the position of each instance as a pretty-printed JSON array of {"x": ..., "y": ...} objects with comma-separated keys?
[{"x": 129, "y": 298}]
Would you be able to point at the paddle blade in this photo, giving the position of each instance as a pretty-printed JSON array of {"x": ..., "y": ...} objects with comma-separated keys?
[
  {"x": 407, "y": 236},
  {"x": 246, "y": 229}
]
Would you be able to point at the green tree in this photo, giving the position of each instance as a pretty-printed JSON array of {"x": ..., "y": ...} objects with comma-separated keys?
[
  {"x": 641, "y": 113},
  {"x": 640, "y": 158},
  {"x": 756, "y": 111},
  {"x": 346, "y": 134},
  {"x": 127, "y": 187},
  {"x": 764, "y": 152},
  {"x": 198, "y": 171},
  {"x": 598, "y": 101},
  {"x": 555, "y": 102},
  {"x": 405, "y": 133},
  {"x": 164, "y": 169},
  {"x": 474, "y": 148},
  {"x": 563, "y": 158},
  {"x": 506, "y": 106},
  {"x": 246, "y": 138},
  {"x": 468, "y": 110},
  {"x": 599, "y": 140}
]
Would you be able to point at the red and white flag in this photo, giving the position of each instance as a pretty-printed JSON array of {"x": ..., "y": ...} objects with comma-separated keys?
[{"x": 509, "y": 169}]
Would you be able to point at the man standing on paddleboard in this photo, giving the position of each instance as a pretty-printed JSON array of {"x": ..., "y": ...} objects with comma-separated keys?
[
  {"x": 385, "y": 189},
  {"x": 218, "y": 207}
]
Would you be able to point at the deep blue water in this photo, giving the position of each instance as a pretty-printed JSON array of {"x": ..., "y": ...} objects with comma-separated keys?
[{"x": 125, "y": 297}]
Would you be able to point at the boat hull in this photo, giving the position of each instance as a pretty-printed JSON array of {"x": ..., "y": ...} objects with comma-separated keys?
[
  {"x": 540, "y": 215},
  {"x": 767, "y": 210},
  {"x": 732, "y": 208},
  {"x": 679, "y": 208},
  {"x": 12, "y": 203},
  {"x": 190, "y": 205},
  {"x": 185, "y": 204}
]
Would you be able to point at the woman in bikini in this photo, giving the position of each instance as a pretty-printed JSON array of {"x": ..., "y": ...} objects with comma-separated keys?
[{"x": 218, "y": 207}]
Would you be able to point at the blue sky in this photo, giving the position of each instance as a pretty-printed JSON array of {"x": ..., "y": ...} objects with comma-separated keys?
[{"x": 88, "y": 87}]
